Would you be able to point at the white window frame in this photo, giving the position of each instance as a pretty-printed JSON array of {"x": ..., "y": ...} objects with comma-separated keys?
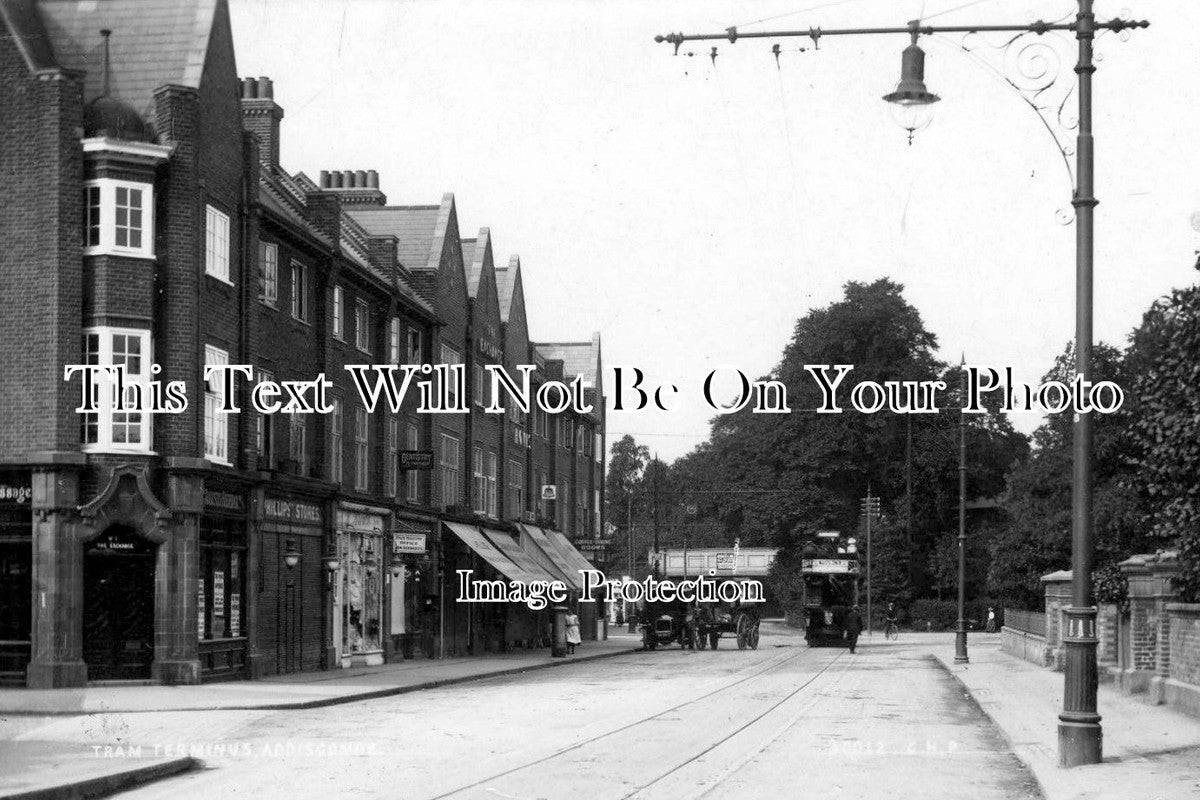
[
  {"x": 478, "y": 482},
  {"x": 394, "y": 340},
  {"x": 450, "y": 356},
  {"x": 450, "y": 464},
  {"x": 362, "y": 463},
  {"x": 416, "y": 352},
  {"x": 264, "y": 423},
  {"x": 362, "y": 325},
  {"x": 411, "y": 476},
  {"x": 300, "y": 302},
  {"x": 107, "y": 218},
  {"x": 216, "y": 244},
  {"x": 336, "y": 452},
  {"x": 391, "y": 467},
  {"x": 298, "y": 442},
  {"x": 339, "y": 313},
  {"x": 216, "y": 422},
  {"x": 491, "y": 478},
  {"x": 268, "y": 256},
  {"x": 596, "y": 513},
  {"x": 598, "y": 447},
  {"x": 106, "y": 419},
  {"x": 516, "y": 486}
]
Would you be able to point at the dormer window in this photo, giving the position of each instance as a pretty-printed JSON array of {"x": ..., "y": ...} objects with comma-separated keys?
[{"x": 119, "y": 218}]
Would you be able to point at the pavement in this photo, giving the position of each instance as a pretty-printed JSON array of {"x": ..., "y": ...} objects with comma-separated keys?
[
  {"x": 1150, "y": 752},
  {"x": 102, "y": 761}
]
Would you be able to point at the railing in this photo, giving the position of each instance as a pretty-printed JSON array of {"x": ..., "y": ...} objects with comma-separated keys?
[{"x": 1026, "y": 621}]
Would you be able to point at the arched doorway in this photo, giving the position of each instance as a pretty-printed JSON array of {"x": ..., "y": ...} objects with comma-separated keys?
[{"x": 118, "y": 605}]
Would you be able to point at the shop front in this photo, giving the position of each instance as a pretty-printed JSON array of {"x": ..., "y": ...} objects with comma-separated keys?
[
  {"x": 292, "y": 627},
  {"x": 221, "y": 584},
  {"x": 358, "y": 597},
  {"x": 16, "y": 573},
  {"x": 410, "y": 618}
]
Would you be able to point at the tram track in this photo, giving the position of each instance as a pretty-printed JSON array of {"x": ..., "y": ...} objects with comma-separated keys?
[{"x": 760, "y": 670}]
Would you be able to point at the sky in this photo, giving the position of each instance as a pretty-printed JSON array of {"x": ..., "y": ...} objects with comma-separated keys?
[{"x": 692, "y": 211}]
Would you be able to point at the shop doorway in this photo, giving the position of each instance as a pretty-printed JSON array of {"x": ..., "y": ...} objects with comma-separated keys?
[{"x": 118, "y": 605}]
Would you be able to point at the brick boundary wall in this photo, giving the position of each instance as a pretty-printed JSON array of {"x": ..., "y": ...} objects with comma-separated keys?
[{"x": 1181, "y": 687}]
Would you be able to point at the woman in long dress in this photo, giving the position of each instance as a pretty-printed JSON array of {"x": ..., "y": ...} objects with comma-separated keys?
[{"x": 573, "y": 639}]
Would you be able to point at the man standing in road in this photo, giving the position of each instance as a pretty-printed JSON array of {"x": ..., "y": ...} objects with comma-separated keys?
[{"x": 853, "y": 626}]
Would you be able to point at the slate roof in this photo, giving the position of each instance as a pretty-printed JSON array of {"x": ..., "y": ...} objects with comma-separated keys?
[
  {"x": 477, "y": 248},
  {"x": 506, "y": 284},
  {"x": 413, "y": 226},
  {"x": 154, "y": 43},
  {"x": 579, "y": 358}
]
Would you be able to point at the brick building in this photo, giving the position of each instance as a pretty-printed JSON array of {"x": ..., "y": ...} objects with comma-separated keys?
[{"x": 149, "y": 225}]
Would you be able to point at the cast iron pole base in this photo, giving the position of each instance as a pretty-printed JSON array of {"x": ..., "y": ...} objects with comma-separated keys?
[
  {"x": 960, "y": 646},
  {"x": 1080, "y": 738}
]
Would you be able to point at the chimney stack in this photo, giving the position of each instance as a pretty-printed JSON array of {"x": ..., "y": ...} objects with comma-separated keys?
[
  {"x": 354, "y": 186},
  {"x": 261, "y": 116}
]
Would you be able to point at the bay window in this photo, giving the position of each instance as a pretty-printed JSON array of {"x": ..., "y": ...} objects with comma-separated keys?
[
  {"x": 118, "y": 218},
  {"x": 106, "y": 429}
]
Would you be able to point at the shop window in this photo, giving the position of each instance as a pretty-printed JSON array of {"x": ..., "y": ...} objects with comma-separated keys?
[
  {"x": 107, "y": 430},
  {"x": 361, "y": 592},
  {"x": 221, "y": 590},
  {"x": 118, "y": 218}
]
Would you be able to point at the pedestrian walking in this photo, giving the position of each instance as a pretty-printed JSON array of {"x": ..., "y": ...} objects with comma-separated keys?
[
  {"x": 573, "y": 639},
  {"x": 853, "y": 625},
  {"x": 991, "y": 620}
]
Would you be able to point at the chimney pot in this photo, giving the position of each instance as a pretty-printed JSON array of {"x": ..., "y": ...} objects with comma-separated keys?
[
  {"x": 324, "y": 179},
  {"x": 347, "y": 178},
  {"x": 372, "y": 179},
  {"x": 249, "y": 87},
  {"x": 360, "y": 179},
  {"x": 266, "y": 89},
  {"x": 335, "y": 180}
]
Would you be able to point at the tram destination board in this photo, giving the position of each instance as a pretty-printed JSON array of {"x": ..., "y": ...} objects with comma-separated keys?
[{"x": 829, "y": 566}]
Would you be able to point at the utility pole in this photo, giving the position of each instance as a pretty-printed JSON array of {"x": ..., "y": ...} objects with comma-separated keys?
[
  {"x": 870, "y": 509},
  {"x": 655, "y": 484},
  {"x": 960, "y": 634}
]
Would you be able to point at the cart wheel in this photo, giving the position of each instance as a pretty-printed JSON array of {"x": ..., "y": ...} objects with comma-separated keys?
[
  {"x": 743, "y": 632},
  {"x": 754, "y": 638},
  {"x": 713, "y": 638}
]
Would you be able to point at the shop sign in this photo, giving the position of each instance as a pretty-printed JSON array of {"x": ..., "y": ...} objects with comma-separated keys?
[
  {"x": 218, "y": 593},
  {"x": 416, "y": 459},
  {"x": 235, "y": 614},
  {"x": 408, "y": 542},
  {"x": 725, "y": 561},
  {"x": 292, "y": 511},
  {"x": 359, "y": 522},
  {"x": 224, "y": 501},
  {"x": 16, "y": 494},
  {"x": 120, "y": 542}
]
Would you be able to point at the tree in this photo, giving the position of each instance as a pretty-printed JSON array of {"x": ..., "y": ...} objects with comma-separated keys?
[
  {"x": 623, "y": 498},
  {"x": 1166, "y": 350}
]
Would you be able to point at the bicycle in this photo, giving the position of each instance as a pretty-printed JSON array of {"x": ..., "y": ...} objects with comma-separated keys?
[{"x": 892, "y": 631}]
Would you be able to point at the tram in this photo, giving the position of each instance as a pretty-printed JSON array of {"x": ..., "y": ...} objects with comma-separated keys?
[{"x": 830, "y": 591}]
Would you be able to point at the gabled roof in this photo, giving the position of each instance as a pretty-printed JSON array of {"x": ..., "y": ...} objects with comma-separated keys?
[
  {"x": 506, "y": 283},
  {"x": 477, "y": 250},
  {"x": 154, "y": 43},
  {"x": 579, "y": 358},
  {"x": 415, "y": 228}
]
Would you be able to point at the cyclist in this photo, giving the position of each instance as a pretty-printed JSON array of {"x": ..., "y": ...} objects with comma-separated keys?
[{"x": 891, "y": 628}]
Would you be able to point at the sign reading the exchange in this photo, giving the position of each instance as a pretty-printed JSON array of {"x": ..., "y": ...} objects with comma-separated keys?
[
  {"x": 416, "y": 459},
  {"x": 408, "y": 542},
  {"x": 829, "y": 566}
]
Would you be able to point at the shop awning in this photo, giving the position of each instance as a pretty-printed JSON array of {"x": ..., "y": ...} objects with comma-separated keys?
[
  {"x": 506, "y": 544},
  {"x": 474, "y": 539},
  {"x": 573, "y": 556},
  {"x": 532, "y": 549},
  {"x": 559, "y": 555}
]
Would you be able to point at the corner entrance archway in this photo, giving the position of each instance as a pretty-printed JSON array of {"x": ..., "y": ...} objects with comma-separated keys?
[{"x": 118, "y": 605}]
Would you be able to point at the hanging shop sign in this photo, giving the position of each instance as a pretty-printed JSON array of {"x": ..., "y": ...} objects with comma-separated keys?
[
  {"x": 408, "y": 542},
  {"x": 416, "y": 459}
]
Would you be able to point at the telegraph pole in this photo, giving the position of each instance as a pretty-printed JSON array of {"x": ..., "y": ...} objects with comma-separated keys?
[{"x": 870, "y": 509}]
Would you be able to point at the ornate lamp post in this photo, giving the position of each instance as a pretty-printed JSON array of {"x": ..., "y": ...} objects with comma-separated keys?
[{"x": 1079, "y": 733}]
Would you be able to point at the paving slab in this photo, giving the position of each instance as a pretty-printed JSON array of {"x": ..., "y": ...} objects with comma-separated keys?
[
  {"x": 1150, "y": 752},
  {"x": 298, "y": 691},
  {"x": 49, "y": 770}
]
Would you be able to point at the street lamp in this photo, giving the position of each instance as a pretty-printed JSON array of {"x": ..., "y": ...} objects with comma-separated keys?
[
  {"x": 1079, "y": 733},
  {"x": 911, "y": 103},
  {"x": 291, "y": 556}
]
